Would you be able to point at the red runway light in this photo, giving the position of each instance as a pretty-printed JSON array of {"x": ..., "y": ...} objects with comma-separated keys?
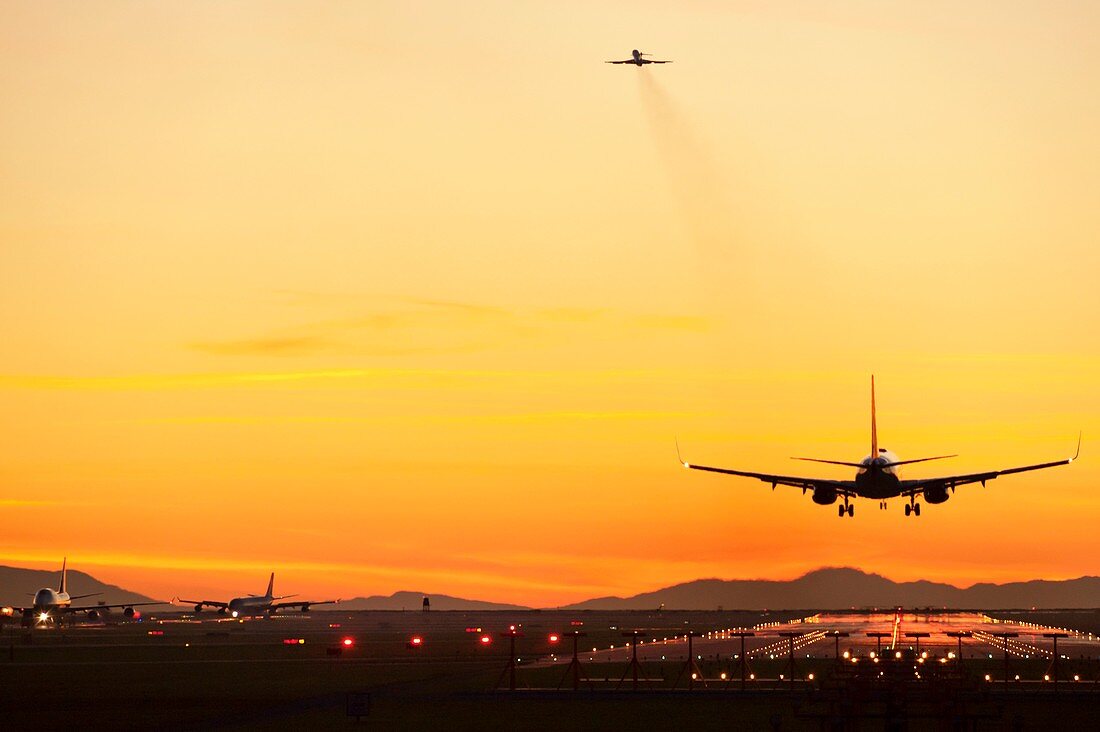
[
  {"x": 553, "y": 637},
  {"x": 348, "y": 642},
  {"x": 486, "y": 640},
  {"x": 415, "y": 642}
]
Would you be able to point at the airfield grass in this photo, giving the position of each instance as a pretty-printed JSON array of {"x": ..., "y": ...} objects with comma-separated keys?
[{"x": 243, "y": 676}]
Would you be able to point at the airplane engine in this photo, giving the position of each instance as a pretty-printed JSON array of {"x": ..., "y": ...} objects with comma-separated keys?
[
  {"x": 222, "y": 610},
  {"x": 128, "y": 612},
  {"x": 305, "y": 608},
  {"x": 28, "y": 618},
  {"x": 935, "y": 493},
  {"x": 198, "y": 609},
  {"x": 824, "y": 496},
  {"x": 93, "y": 615}
]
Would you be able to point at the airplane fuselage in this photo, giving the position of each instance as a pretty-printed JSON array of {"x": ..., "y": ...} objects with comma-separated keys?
[
  {"x": 251, "y": 605},
  {"x": 878, "y": 480},
  {"x": 48, "y": 600}
]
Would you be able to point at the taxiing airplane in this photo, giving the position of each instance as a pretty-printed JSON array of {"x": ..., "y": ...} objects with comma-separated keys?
[
  {"x": 878, "y": 477},
  {"x": 52, "y": 605},
  {"x": 638, "y": 59},
  {"x": 264, "y": 604}
]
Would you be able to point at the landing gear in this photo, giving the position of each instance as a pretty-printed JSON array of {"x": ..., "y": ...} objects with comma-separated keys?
[
  {"x": 851, "y": 511},
  {"x": 912, "y": 508},
  {"x": 846, "y": 508},
  {"x": 840, "y": 511}
]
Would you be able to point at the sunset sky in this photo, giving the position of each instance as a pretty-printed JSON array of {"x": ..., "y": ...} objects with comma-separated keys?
[{"x": 419, "y": 295}]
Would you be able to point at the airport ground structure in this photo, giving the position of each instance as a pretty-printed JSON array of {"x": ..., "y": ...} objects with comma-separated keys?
[{"x": 869, "y": 669}]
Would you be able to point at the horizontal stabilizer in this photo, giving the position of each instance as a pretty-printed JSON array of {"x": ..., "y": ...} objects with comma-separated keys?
[
  {"x": 918, "y": 460},
  {"x": 830, "y": 462}
]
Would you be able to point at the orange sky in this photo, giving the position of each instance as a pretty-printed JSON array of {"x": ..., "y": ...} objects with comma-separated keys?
[{"x": 393, "y": 296}]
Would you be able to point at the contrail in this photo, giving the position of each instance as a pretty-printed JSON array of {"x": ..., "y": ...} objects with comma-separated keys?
[{"x": 696, "y": 183}]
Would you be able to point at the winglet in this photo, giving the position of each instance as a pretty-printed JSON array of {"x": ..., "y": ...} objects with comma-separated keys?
[
  {"x": 64, "y": 573},
  {"x": 1078, "y": 453},
  {"x": 683, "y": 462}
]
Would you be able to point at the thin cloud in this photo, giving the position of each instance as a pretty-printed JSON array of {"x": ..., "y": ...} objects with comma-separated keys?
[
  {"x": 293, "y": 346},
  {"x": 408, "y": 326},
  {"x": 379, "y": 377}
]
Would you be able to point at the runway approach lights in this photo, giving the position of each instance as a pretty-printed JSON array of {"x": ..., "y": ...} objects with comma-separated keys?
[
  {"x": 1053, "y": 668},
  {"x": 878, "y": 636},
  {"x": 1004, "y": 640},
  {"x": 574, "y": 666},
  {"x": 958, "y": 635},
  {"x": 510, "y": 668},
  {"x": 634, "y": 666},
  {"x": 690, "y": 667},
  {"x": 836, "y": 635},
  {"x": 790, "y": 635}
]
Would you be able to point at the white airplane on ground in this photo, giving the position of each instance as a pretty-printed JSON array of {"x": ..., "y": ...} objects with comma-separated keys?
[
  {"x": 52, "y": 605},
  {"x": 638, "y": 59},
  {"x": 254, "y": 604},
  {"x": 878, "y": 477}
]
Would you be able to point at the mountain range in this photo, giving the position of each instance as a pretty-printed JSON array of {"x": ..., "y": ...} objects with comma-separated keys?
[
  {"x": 838, "y": 588},
  {"x": 833, "y": 588},
  {"x": 18, "y": 585}
]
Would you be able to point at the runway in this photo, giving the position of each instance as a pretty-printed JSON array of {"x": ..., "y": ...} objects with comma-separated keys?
[{"x": 812, "y": 638}]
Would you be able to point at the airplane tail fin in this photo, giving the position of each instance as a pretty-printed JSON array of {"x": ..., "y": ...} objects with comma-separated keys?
[
  {"x": 874, "y": 426},
  {"x": 64, "y": 575},
  {"x": 271, "y": 585}
]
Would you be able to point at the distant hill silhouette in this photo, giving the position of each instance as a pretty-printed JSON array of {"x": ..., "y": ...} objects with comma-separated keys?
[
  {"x": 831, "y": 588},
  {"x": 413, "y": 601},
  {"x": 838, "y": 588},
  {"x": 17, "y": 585}
]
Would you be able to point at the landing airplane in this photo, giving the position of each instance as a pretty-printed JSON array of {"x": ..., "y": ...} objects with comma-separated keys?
[
  {"x": 638, "y": 59},
  {"x": 878, "y": 477},
  {"x": 51, "y": 605},
  {"x": 254, "y": 604}
]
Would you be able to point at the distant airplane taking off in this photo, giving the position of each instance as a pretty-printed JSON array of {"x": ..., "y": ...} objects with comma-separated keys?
[
  {"x": 51, "y": 605},
  {"x": 638, "y": 59},
  {"x": 254, "y": 604},
  {"x": 878, "y": 477}
]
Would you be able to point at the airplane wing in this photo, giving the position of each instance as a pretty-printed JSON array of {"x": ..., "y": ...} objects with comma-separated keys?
[
  {"x": 86, "y": 608},
  {"x": 628, "y": 61},
  {"x": 914, "y": 487},
  {"x": 651, "y": 61},
  {"x": 842, "y": 487},
  {"x": 302, "y": 605},
  {"x": 204, "y": 603}
]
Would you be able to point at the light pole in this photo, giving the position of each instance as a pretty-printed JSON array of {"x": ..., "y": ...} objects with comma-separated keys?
[
  {"x": 837, "y": 635},
  {"x": 1054, "y": 660},
  {"x": 1004, "y": 639},
  {"x": 959, "y": 635}
]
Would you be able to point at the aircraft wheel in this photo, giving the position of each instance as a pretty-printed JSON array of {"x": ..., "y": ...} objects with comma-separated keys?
[
  {"x": 908, "y": 509},
  {"x": 851, "y": 511},
  {"x": 916, "y": 509},
  {"x": 840, "y": 511}
]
